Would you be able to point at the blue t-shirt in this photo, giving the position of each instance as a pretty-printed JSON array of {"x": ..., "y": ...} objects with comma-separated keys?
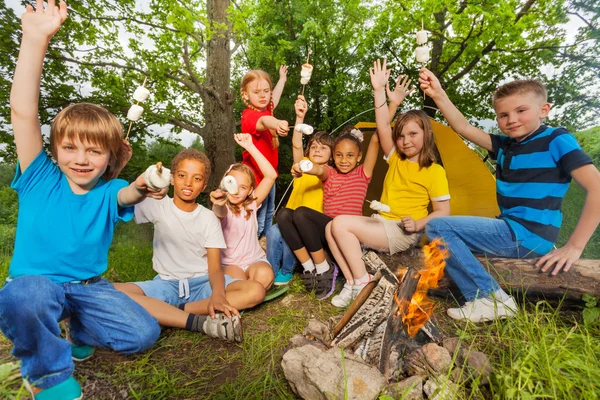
[
  {"x": 532, "y": 178},
  {"x": 62, "y": 235}
]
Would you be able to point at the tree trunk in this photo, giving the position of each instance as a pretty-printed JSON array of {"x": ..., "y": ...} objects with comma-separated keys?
[{"x": 218, "y": 107}]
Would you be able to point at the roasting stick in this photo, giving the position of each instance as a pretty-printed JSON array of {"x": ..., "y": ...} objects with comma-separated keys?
[{"x": 137, "y": 104}]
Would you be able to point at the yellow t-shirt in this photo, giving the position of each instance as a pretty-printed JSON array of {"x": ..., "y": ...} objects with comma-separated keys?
[
  {"x": 307, "y": 192},
  {"x": 408, "y": 190}
]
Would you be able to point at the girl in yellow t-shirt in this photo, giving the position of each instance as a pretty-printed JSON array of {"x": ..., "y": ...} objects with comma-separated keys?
[
  {"x": 307, "y": 192},
  {"x": 413, "y": 181}
]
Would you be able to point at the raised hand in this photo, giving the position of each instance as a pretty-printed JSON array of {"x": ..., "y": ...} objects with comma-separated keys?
[
  {"x": 300, "y": 106},
  {"x": 379, "y": 74},
  {"x": 430, "y": 84},
  {"x": 401, "y": 91},
  {"x": 244, "y": 140},
  {"x": 283, "y": 70},
  {"x": 43, "y": 24},
  {"x": 218, "y": 197},
  {"x": 296, "y": 171}
]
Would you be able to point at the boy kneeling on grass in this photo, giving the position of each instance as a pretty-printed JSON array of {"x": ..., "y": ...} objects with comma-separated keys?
[
  {"x": 535, "y": 164},
  {"x": 190, "y": 286}
]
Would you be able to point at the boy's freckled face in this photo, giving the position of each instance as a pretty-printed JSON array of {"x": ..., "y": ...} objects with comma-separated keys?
[
  {"x": 188, "y": 180},
  {"x": 83, "y": 163},
  {"x": 244, "y": 187},
  {"x": 519, "y": 115}
]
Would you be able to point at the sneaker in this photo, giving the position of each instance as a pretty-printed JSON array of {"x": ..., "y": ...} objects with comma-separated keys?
[
  {"x": 325, "y": 282},
  {"x": 484, "y": 309},
  {"x": 223, "y": 327},
  {"x": 345, "y": 297},
  {"x": 81, "y": 353},
  {"x": 67, "y": 390},
  {"x": 308, "y": 278},
  {"x": 282, "y": 279}
]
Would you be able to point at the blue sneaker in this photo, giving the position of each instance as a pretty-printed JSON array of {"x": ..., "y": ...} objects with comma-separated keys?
[
  {"x": 67, "y": 390},
  {"x": 282, "y": 279},
  {"x": 81, "y": 353}
]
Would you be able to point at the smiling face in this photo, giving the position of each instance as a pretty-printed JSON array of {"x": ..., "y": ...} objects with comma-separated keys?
[
  {"x": 319, "y": 153},
  {"x": 258, "y": 93},
  {"x": 83, "y": 163},
  {"x": 189, "y": 180},
  {"x": 346, "y": 156},
  {"x": 244, "y": 187},
  {"x": 410, "y": 141},
  {"x": 520, "y": 114}
]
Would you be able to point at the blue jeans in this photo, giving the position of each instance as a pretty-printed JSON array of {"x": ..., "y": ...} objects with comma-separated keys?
[
  {"x": 464, "y": 235},
  {"x": 265, "y": 213},
  {"x": 100, "y": 316},
  {"x": 279, "y": 253}
]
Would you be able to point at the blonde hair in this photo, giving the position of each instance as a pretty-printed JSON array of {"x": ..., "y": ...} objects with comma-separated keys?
[
  {"x": 248, "y": 200},
  {"x": 427, "y": 155},
  {"x": 89, "y": 123},
  {"x": 249, "y": 77},
  {"x": 521, "y": 87}
]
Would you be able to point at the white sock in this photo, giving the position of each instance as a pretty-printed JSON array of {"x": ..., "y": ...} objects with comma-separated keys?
[
  {"x": 364, "y": 279},
  {"x": 322, "y": 267},
  {"x": 500, "y": 295},
  {"x": 308, "y": 266}
]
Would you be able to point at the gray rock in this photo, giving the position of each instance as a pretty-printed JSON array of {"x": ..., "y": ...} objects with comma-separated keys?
[
  {"x": 441, "y": 388},
  {"x": 409, "y": 389},
  {"x": 313, "y": 374},
  {"x": 319, "y": 331},
  {"x": 480, "y": 364},
  {"x": 427, "y": 359}
]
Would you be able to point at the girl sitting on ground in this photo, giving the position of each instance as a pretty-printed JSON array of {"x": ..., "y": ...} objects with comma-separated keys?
[
  {"x": 244, "y": 258},
  {"x": 308, "y": 192},
  {"x": 412, "y": 182},
  {"x": 345, "y": 189}
]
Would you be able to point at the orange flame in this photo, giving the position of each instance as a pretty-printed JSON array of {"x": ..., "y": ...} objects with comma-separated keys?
[{"x": 417, "y": 311}]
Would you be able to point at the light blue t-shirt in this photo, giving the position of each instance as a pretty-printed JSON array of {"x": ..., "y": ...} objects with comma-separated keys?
[{"x": 62, "y": 235}]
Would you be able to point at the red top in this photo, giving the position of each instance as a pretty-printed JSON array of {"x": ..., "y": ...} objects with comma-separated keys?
[
  {"x": 263, "y": 140},
  {"x": 344, "y": 194}
]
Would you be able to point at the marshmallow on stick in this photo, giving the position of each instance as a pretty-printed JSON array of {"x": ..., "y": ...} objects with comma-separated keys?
[
  {"x": 141, "y": 94},
  {"x": 377, "y": 206},
  {"x": 422, "y": 52},
  {"x": 304, "y": 129},
  {"x": 229, "y": 185},
  {"x": 157, "y": 177},
  {"x": 306, "y": 72},
  {"x": 305, "y": 165},
  {"x": 135, "y": 111}
]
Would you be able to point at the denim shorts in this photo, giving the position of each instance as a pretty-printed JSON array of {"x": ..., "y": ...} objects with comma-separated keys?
[{"x": 176, "y": 292}]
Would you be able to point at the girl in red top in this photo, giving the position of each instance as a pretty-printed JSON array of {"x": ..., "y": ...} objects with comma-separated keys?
[
  {"x": 344, "y": 191},
  {"x": 259, "y": 122}
]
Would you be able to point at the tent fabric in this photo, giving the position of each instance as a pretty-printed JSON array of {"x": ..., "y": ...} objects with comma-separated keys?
[{"x": 472, "y": 185}]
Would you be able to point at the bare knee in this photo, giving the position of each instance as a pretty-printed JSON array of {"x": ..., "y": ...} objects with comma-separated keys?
[{"x": 263, "y": 273}]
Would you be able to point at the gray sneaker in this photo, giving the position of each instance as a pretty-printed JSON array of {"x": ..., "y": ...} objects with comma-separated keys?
[{"x": 223, "y": 327}]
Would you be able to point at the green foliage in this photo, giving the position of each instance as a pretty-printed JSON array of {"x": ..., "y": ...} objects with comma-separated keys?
[{"x": 591, "y": 313}]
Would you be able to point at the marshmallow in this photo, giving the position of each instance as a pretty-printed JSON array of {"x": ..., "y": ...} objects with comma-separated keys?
[
  {"x": 304, "y": 129},
  {"x": 305, "y": 165},
  {"x": 141, "y": 94},
  {"x": 377, "y": 206},
  {"x": 304, "y": 81},
  {"x": 157, "y": 177},
  {"x": 229, "y": 185},
  {"x": 306, "y": 71},
  {"x": 422, "y": 54},
  {"x": 135, "y": 112},
  {"x": 422, "y": 37}
]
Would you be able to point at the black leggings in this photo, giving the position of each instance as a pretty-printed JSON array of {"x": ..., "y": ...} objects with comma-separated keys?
[{"x": 303, "y": 227}]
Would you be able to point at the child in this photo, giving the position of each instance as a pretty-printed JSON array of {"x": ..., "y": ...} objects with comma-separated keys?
[
  {"x": 67, "y": 215},
  {"x": 258, "y": 121},
  {"x": 345, "y": 188},
  {"x": 534, "y": 167},
  {"x": 244, "y": 258},
  {"x": 187, "y": 257},
  {"x": 412, "y": 182},
  {"x": 308, "y": 192}
]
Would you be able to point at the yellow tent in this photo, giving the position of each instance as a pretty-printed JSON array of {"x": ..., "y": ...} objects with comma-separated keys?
[{"x": 472, "y": 185}]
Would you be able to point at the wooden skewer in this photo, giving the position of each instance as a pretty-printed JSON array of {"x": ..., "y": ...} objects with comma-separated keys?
[{"x": 423, "y": 28}]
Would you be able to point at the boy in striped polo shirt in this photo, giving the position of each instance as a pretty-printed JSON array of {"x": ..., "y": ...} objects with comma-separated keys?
[{"x": 535, "y": 164}]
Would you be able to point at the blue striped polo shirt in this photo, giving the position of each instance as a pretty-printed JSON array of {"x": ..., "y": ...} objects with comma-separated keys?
[{"x": 532, "y": 178}]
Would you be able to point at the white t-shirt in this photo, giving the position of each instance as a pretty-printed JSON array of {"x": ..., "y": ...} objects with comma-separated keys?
[{"x": 180, "y": 238}]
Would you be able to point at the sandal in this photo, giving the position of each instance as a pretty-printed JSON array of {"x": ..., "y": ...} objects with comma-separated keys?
[{"x": 325, "y": 282}]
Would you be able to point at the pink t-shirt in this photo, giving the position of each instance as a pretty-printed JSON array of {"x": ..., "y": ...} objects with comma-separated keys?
[
  {"x": 344, "y": 194},
  {"x": 241, "y": 238}
]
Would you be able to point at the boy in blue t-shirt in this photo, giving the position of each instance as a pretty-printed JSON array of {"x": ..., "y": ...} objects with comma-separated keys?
[
  {"x": 67, "y": 215},
  {"x": 534, "y": 167}
]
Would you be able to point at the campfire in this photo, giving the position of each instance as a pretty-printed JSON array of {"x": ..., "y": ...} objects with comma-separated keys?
[{"x": 388, "y": 332}]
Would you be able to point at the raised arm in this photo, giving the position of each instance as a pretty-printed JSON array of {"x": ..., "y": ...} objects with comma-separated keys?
[
  {"x": 397, "y": 96},
  {"x": 297, "y": 150},
  {"x": 278, "y": 89},
  {"x": 379, "y": 80},
  {"x": 269, "y": 174},
  {"x": 38, "y": 29},
  {"x": 432, "y": 88},
  {"x": 371, "y": 156}
]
